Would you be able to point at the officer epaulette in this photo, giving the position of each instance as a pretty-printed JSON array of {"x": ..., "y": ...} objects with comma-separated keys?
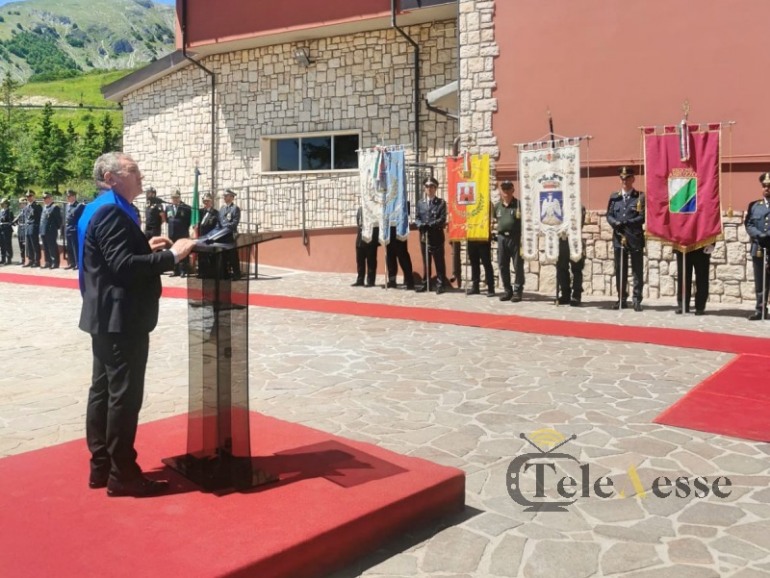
[{"x": 615, "y": 195}]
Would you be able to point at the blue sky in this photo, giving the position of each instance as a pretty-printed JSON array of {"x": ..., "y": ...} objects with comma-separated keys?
[{"x": 171, "y": 2}]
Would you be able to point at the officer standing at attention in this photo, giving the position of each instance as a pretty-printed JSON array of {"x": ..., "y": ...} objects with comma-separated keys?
[
  {"x": 21, "y": 229},
  {"x": 32, "y": 215},
  {"x": 6, "y": 233},
  {"x": 154, "y": 215},
  {"x": 72, "y": 212},
  {"x": 229, "y": 217},
  {"x": 50, "y": 223},
  {"x": 570, "y": 290},
  {"x": 625, "y": 214},
  {"x": 431, "y": 221},
  {"x": 757, "y": 225},
  {"x": 480, "y": 255},
  {"x": 507, "y": 214},
  {"x": 179, "y": 217}
]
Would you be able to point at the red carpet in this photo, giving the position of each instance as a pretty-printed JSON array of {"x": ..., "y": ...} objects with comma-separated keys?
[
  {"x": 735, "y": 401},
  {"x": 336, "y": 500},
  {"x": 585, "y": 330}
]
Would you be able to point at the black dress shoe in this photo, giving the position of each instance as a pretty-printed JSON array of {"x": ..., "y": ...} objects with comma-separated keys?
[
  {"x": 140, "y": 488},
  {"x": 392, "y": 285},
  {"x": 26, "y": 265},
  {"x": 617, "y": 305},
  {"x": 563, "y": 300},
  {"x": 421, "y": 289},
  {"x": 637, "y": 306},
  {"x": 68, "y": 267},
  {"x": 96, "y": 482},
  {"x": 440, "y": 289},
  {"x": 357, "y": 284},
  {"x": 490, "y": 292},
  {"x": 574, "y": 302},
  {"x": 700, "y": 312},
  {"x": 757, "y": 316},
  {"x": 507, "y": 296},
  {"x": 473, "y": 291},
  {"x": 516, "y": 297}
]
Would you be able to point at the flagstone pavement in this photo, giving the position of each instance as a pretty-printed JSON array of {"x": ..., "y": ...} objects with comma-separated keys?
[{"x": 459, "y": 396}]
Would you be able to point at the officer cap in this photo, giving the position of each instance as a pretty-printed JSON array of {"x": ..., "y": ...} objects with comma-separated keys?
[
  {"x": 71, "y": 193},
  {"x": 229, "y": 192},
  {"x": 764, "y": 178},
  {"x": 626, "y": 172},
  {"x": 29, "y": 193},
  {"x": 48, "y": 196},
  {"x": 149, "y": 190},
  {"x": 176, "y": 195},
  {"x": 506, "y": 185},
  {"x": 208, "y": 197},
  {"x": 3, "y": 201},
  {"x": 430, "y": 181}
]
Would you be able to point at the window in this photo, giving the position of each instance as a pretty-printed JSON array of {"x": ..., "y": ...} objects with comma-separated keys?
[{"x": 312, "y": 152}]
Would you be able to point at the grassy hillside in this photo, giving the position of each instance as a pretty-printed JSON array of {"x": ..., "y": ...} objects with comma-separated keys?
[{"x": 51, "y": 38}]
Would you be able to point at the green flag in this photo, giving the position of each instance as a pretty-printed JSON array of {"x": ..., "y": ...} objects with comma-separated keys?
[{"x": 196, "y": 205}]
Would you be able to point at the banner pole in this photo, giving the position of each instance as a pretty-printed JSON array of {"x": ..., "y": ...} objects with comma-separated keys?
[
  {"x": 683, "y": 281},
  {"x": 764, "y": 284}
]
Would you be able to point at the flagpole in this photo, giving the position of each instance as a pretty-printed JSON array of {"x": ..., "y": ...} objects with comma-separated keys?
[{"x": 553, "y": 146}]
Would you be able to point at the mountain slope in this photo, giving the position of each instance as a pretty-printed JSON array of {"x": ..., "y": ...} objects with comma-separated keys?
[{"x": 54, "y": 39}]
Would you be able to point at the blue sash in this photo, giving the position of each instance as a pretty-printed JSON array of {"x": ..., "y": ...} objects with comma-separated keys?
[{"x": 108, "y": 197}]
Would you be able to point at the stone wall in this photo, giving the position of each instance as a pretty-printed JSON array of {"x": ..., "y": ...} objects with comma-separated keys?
[
  {"x": 361, "y": 82},
  {"x": 731, "y": 276}
]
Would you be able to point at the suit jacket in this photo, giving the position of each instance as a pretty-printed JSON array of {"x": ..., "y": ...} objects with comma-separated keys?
[
  {"x": 32, "y": 213},
  {"x": 626, "y": 217},
  {"x": 209, "y": 220},
  {"x": 229, "y": 217},
  {"x": 431, "y": 219},
  {"x": 121, "y": 276},
  {"x": 178, "y": 218},
  {"x": 50, "y": 220}
]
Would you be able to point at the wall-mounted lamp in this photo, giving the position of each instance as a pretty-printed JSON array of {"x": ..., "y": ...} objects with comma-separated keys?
[{"x": 302, "y": 56}]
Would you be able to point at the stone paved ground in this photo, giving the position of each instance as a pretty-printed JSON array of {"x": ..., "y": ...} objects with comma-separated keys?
[{"x": 459, "y": 396}]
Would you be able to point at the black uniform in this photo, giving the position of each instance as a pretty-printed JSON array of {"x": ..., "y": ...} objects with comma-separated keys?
[
  {"x": 396, "y": 251},
  {"x": 32, "y": 214},
  {"x": 366, "y": 253},
  {"x": 757, "y": 225},
  {"x": 152, "y": 218},
  {"x": 431, "y": 221},
  {"x": 72, "y": 212},
  {"x": 208, "y": 220},
  {"x": 570, "y": 290},
  {"x": 229, "y": 217},
  {"x": 21, "y": 233},
  {"x": 178, "y": 218},
  {"x": 508, "y": 222},
  {"x": 6, "y": 236},
  {"x": 50, "y": 223},
  {"x": 625, "y": 214},
  {"x": 698, "y": 261}
]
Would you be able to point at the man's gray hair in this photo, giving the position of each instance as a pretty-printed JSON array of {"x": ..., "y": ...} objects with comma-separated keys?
[{"x": 107, "y": 163}]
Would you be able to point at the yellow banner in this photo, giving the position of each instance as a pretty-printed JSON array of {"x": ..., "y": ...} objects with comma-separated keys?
[{"x": 477, "y": 214}]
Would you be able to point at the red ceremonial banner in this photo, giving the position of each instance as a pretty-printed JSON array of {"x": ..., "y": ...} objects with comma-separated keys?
[
  {"x": 683, "y": 204},
  {"x": 454, "y": 174}
]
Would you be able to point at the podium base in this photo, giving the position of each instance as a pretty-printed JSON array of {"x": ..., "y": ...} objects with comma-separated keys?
[{"x": 220, "y": 472}]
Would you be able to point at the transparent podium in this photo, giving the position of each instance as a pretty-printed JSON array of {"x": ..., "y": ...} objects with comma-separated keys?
[{"x": 218, "y": 435}]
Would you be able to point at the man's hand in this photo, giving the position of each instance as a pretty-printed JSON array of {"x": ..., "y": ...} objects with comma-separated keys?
[
  {"x": 183, "y": 247},
  {"x": 159, "y": 243}
]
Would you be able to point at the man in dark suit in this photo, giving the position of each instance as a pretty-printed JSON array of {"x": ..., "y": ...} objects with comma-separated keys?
[
  {"x": 32, "y": 214},
  {"x": 72, "y": 212},
  {"x": 431, "y": 222},
  {"x": 229, "y": 217},
  {"x": 50, "y": 223},
  {"x": 119, "y": 273},
  {"x": 208, "y": 220},
  {"x": 178, "y": 217}
]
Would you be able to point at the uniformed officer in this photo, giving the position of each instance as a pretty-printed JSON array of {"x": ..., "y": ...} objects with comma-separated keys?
[
  {"x": 697, "y": 261},
  {"x": 625, "y": 214},
  {"x": 229, "y": 217},
  {"x": 32, "y": 213},
  {"x": 757, "y": 225},
  {"x": 570, "y": 290},
  {"x": 154, "y": 215},
  {"x": 72, "y": 212},
  {"x": 507, "y": 213},
  {"x": 480, "y": 255},
  {"x": 208, "y": 220},
  {"x": 431, "y": 222},
  {"x": 366, "y": 253},
  {"x": 21, "y": 229},
  {"x": 50, "y": 223},
  {"x": 178, "y": 217},
  {"x": 6, "y": 232}
]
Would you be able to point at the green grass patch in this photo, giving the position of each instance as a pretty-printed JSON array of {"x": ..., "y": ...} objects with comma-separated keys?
[{"x": 85, "y": 89}]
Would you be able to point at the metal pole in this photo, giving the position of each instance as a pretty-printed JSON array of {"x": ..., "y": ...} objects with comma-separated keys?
[
  {"x": 622, "y": 275},
  {"x": 683, "y": 281},
  {"x": 764, "y": 284}
]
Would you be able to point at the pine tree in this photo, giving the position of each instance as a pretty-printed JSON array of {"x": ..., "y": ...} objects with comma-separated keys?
[
  {"x": 108, "y": 138},
  {"x": 87, "y": 151}
]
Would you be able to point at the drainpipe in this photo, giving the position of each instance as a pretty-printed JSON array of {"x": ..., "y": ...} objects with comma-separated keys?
[
  {"x": 211, "y": 75},
  {"x": 416, "y": 104}
]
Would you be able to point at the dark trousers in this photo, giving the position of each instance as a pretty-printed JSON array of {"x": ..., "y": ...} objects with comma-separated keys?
[
  {"x": 480, "y": 254},
  {"x": 51, "y": 249},
  {"x": 621, "y": 275},
  {"x": 33, "y": 248},
  {"x": 366, "y": 261},
  {"x": 569, "y": 288},
  {"x": 183, "y": 267},
  {"x": 509, "y": 249},
  {"x": 698, "y": 262},
  {"x": 433, "y": 250},
  {"x": 6, "y": 243},
  {"x": 759, "y": 264},
  {"x": 114, "y": 401},
  {"x": 232, "y": 263},
  {"x": 22, "y": 245},
  {"x": 72, "y": 248},
  {"x": 396, "y": 251}
]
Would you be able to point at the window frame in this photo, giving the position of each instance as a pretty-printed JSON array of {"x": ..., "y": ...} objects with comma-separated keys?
[{"x": 268, "y": 160}]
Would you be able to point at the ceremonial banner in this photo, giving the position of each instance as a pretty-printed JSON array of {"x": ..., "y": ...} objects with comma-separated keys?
[
  {"x": 683, "y": 195},
  {"x": 371, "y": 192},
  {"x": 394, "y": 210},
  {"x": 549, "y": 182},
  {"x": 468, "y": 198}
]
